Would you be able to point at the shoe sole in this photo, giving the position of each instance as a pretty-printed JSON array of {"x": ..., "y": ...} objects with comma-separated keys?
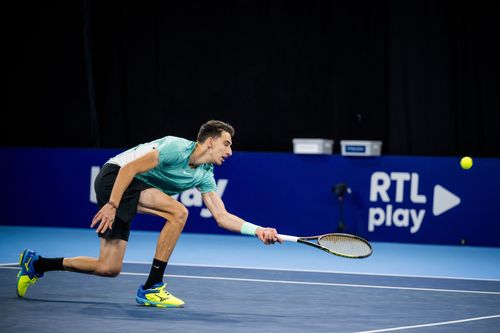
[
  {"x": 145, "y": 302},
  {"x": 21, "y": 257}
]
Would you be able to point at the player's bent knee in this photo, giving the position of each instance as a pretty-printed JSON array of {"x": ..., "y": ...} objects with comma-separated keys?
[
  {"x": 181, "y": 215},
  {"x": 184, "y": 213},
  {"x": 108, "y": 271}
]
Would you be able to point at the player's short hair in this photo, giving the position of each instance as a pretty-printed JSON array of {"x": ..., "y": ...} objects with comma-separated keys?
[{"x": 214, "y": 129}]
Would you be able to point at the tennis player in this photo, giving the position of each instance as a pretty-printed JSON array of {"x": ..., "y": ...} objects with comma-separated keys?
[{"x": 143, "y": 179}]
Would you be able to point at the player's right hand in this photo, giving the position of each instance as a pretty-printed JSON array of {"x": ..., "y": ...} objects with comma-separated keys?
[{"x": 268, "y": 235}]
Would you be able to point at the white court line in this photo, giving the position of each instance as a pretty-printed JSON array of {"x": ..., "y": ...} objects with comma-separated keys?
[
  {"x": 431, "y": 324},
  {"x": 301, "y": 271},
  {"x": 319, "y": 283},
  {"x": 309, "y": 283},
  {"x": 316, "y": 271}
]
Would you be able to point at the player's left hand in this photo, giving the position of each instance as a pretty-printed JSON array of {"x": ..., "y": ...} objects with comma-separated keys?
[
  {"x": 105, "y": 217},
  {"x": 268, "y": 235}
]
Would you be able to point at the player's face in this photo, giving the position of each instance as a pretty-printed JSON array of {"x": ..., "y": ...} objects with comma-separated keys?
[{"x": 220, "y": 148}]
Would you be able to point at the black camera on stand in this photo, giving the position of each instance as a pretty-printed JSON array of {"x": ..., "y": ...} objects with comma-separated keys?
[{"x": 340, "y": 190}]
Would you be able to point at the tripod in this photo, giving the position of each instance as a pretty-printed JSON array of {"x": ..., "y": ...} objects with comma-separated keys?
[{"x": 340, "y": 190}]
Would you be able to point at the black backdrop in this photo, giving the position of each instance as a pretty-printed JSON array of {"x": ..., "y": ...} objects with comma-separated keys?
[{"x": 422, "y": 76}]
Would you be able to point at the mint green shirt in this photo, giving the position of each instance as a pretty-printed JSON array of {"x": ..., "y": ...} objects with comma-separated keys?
[{"x": 172, "y": 175}]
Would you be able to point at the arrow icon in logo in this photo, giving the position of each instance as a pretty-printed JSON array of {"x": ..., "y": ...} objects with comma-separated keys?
[{"x": 443, "y": 200}]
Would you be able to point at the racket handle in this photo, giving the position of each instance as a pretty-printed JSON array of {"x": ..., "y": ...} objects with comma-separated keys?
[{"x": 288, "y": 238}]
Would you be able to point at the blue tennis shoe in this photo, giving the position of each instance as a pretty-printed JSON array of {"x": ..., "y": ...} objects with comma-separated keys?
[{"x": 27, "y": 276}]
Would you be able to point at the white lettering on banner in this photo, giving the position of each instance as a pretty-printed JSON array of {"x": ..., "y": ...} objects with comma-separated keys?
[
  {"x": 414, "y": 196},
  {"x": 401, "y": 217},
  {"x": 189, "y": 198},
  {"x": 94, "y": 170},
  {"x": 380, "y": 184},
  {"x": 221, "y": 187},
  {"x": 400, "y": 178},
  {"x": 193, "y": 198}
]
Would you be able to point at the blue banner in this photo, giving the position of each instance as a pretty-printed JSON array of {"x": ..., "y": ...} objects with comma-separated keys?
[{"x": 392, "y": 198}]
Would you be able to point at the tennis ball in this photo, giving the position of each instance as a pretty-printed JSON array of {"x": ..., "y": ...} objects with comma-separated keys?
[{"x": 466, "y": 163}]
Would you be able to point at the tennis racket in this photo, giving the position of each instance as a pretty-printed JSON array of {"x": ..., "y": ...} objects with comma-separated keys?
[{"x": 343, "y": 245}]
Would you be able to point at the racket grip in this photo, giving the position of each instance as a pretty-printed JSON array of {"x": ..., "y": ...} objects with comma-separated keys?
[{"x": 288, "y": 238}]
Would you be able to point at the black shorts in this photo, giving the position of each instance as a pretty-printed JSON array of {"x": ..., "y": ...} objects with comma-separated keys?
[{"x": 127, "y": 208}]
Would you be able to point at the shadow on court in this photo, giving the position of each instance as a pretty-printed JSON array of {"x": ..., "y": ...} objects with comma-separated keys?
[{"x": 108, "y": 310}]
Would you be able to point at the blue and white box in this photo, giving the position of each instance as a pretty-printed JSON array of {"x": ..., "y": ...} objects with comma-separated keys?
[{"x": 360, "y": 148}]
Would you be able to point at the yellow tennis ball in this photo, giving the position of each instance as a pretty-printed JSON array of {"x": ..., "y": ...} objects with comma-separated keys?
[{"x": 466, "y": 163}]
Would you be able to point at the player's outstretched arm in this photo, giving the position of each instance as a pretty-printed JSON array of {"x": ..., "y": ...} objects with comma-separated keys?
[{"x": 233, "y": 223}]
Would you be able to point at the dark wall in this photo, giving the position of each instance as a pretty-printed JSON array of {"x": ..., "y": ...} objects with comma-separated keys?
[{"x": 422, "y": 76}]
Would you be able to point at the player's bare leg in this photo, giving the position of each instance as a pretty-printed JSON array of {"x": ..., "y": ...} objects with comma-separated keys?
[
  {"x": 153, "y": 201},
  {"x": 109, "y": 263}
]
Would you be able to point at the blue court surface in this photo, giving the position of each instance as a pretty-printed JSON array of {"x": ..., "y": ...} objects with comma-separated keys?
[{"x": 233, "y": 283}]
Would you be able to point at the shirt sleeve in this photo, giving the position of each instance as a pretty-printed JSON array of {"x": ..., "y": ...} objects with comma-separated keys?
[{"x": 208, "y": 183}]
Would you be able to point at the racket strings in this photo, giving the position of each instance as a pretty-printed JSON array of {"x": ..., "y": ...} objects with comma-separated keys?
[{"x": 345, "y": 245}]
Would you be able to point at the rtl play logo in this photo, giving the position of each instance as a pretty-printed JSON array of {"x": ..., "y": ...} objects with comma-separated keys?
[{"x": 388, "y": 214}]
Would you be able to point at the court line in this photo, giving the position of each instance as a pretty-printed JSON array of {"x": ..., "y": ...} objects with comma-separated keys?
[
  {"x": 307, "y": 283},
  {"x": 431, "y": 324},
  {"x": 315, "y": 271},
  {"x": 299, "y": 270},
  {"x": 318, "y": 283}
]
